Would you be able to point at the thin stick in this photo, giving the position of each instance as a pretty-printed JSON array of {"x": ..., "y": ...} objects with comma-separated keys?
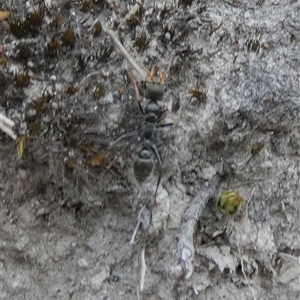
[
  {"x": 170, "y": 62},
  {"x": 131, "y": 242},
  {"x": 136, "y": 90},
  {"x": 292, "y": 258},
  {"x": 243, "y": 271},
  {"x": 247, "y": 206},
  {"x": 6, "y": 120},
  {"x": 89, "y": 75},
  {"x": 240, "y": 255},
  {"x": 6, "y": 126},
  {"x": 140, "y": 58},
  {"x": 125, "y": 54},
  {"x": 7, "y": 130},
  {"x": 132, "y": 12},
  {"x": 143, "y": 269}
]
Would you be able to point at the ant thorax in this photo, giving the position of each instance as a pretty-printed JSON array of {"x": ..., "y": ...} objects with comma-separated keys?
[
  {"x": 152, "y": 109},
  {"x": 147, "y": 131}
]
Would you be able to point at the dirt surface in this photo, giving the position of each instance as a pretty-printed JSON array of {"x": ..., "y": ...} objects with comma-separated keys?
[{"x": 67, "y": 216}]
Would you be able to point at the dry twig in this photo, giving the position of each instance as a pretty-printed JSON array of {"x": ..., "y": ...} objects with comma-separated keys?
[
  {"x": 290, "y": 257},
  {"x": 186, "y": 250},
  {"x": 143, "y": 269},
  {"x": 240, "y": 255},
  {"x": 137, "y": 226},
  {"x": 126, "y": 55},
  {"x": 6, "y": 126},
  {"x": 132, "y": 12},
  {"x": 243, "y": 271}
]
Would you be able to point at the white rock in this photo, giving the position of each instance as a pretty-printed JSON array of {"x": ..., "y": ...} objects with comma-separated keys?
[
  {"x": 82, "y": 263},
  {"x": 98, "y": 279}
]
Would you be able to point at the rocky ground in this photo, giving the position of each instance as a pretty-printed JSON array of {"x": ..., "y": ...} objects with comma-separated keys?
[{"x": 68, "y": 213}]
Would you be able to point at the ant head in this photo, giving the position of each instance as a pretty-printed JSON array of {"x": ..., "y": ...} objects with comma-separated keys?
[{"x": 154, "y": 91}]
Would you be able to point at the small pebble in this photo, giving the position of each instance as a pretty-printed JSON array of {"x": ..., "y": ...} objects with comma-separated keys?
[
  {"x": 98, "y": 279},
  {"x": 31, "y": 112},
  {"x": 54, "y": 105},
  {"x": 82, "y": 263}
]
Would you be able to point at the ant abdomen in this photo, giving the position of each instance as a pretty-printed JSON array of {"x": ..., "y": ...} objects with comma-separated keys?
[{"x": 143, "y": 165}]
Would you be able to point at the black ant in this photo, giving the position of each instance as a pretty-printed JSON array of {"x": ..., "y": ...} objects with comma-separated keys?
[{"x": 154, "y": 90}]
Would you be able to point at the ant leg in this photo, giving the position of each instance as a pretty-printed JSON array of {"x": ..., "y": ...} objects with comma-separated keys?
[
  {"x": 157, "y": 185},
  {"x": 124, "y": 136},
  {"x": 164, "y": 125},
  {"x": 141, "y": 109},
  {"x": 160, "y": 119},
  {"x": 155, "y": 151},
  {"x": 98, "y": 159},
  {"x": 163, "y": 115}
]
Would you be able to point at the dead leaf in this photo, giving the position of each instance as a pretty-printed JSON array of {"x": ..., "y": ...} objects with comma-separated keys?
[
  {"x": 20, "y": 143},
  {"x": 97, "y": 160},
  {"x": 4, "y": 14}
]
